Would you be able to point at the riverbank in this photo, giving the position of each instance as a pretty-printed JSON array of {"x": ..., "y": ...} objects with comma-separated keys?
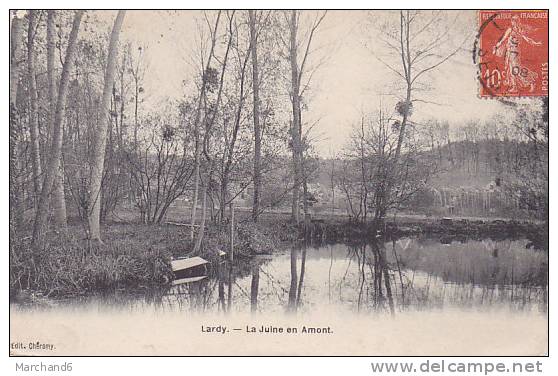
[
  {"x": 137, "y": 256},
  {"x": 447, "y": 229},
  {"x": 132, "y": 256}
]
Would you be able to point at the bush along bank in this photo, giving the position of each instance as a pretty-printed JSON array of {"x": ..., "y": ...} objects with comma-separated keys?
[{"x": 336, "y": 230}]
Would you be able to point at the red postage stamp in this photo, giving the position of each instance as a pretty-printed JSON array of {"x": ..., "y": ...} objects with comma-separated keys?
[{"x": 512, "y": 53}]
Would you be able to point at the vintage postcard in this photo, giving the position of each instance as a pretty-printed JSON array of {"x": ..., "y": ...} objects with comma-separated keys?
[{"x": 278, "y": 182}]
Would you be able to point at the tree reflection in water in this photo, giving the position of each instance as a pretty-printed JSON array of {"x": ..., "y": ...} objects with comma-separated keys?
[
  {"x": 378, "y": 277},
  {"x": 375, "y": 276},
  {"x": 254, "y": 287},
  {"x": 297, "y": 280}
]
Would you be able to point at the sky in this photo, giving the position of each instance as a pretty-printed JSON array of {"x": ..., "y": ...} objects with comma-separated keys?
[{"x": 350, "y": 81}]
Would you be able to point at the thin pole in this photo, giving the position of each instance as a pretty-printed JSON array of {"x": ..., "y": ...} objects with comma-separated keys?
[
  {"x": 231, "y": 257},
  {"x": 231, "y": 253}
]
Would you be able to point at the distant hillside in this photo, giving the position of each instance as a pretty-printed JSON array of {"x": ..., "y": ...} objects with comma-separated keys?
[
  {"x": 461, "y": 164},
  {"x": 468, "y": 181}
]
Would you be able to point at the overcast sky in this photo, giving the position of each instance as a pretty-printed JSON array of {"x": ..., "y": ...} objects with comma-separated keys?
[{"x": 352, "y": 79}]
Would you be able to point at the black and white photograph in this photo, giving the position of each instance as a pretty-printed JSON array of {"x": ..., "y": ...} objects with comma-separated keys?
[{"x": 277, "y": 182}]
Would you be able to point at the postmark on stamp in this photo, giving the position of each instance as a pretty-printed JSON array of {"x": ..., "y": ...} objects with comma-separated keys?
[{"x": 511, "y": 51}]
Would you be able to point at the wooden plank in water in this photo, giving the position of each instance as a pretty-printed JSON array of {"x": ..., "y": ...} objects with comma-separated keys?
[
  {"x": 187, "y": 263},
  {"x": 188, "y": 280}
]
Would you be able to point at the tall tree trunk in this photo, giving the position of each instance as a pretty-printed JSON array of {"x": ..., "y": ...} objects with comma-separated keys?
[
  {"x": 305, "y": 206},
  {"x": 197, "y": 158},
  {"x": 223, "y": 194},
  {"x": 33, "y": 104},
  {"x": 230, "y": 155},
  {"x": 256, "y": 113},
  {"x": 208, "y": 126},
  {"x": 386, "y": 197},
  {"x": 122, "y": 104},
  {"x": 381, "y": 211},
  {"x": 295, "y": 129},
  {"x": 22, "y": 189},
  {"x": 58, "y": 200},
  {"x": 100, "y": 135},
  {"x": 201, "y": 231},
  {"x": 136, "y": 104},
  {"x": 15, "y": 204},
  {"x": 56, "y": 147}
]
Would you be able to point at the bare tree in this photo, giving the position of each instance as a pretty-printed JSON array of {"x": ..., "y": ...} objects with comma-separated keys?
[
  {"x": 298, "y": 70},
  {"x": 367, "y": 167},
  {"x": 296, "y": 122},
  {"x": 58, "y": 200},
  {"x": 100, "y": 135},
  {"x": 417, "y": 43},
  {"x": 256, "y": 113},
  {"x": 209, "y": 122},
  {"x": 137, "y": 71},
  {"x": 231, "y": 141},
  {"x": 15, "y": 42},
  {"x": 33, "y": 104},
  {"x": 56, "y": 146},
  {"x": 196, "y": 125},
  {"x": 160, "y": 169}
]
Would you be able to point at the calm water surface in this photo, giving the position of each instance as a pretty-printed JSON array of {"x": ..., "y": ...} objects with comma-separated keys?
[{"x": 410, "y": 274}]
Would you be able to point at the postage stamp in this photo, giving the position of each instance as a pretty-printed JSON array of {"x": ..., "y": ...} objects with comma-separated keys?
[{"x": 512, "y": 53}]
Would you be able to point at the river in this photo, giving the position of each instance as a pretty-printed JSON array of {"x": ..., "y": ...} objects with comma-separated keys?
[{"x": 411, "y": 296}]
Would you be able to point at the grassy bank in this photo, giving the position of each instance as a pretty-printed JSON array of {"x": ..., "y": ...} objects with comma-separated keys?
[
  {"x": 132, "y": 256},
  {"x": 68, "y": 266}
]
